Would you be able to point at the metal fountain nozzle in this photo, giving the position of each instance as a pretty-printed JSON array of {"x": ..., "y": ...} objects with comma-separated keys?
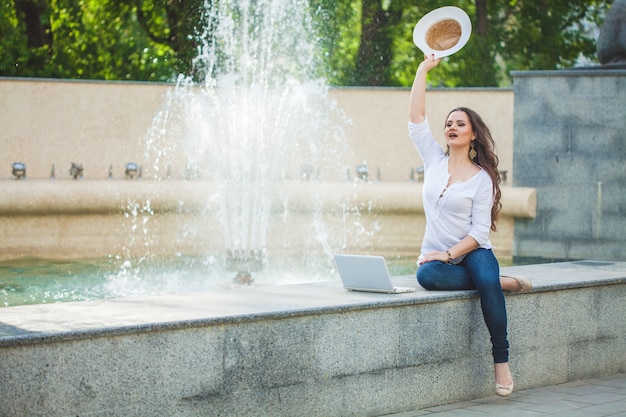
[
  {"x": 76, "y": 170},
  {"x": 19, "y": 170},
  {"x": 362, "y": 172},
  {"x": 244, "y": 262},
  {"x": 131, "y": 171},
  {"x": 306, "y": 172}
]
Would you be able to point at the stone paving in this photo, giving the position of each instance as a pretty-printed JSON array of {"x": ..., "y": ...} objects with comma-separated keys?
[{"x": 597, "y": 397}]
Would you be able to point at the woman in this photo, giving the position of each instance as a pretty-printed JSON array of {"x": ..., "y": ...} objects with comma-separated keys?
[{"x": 461, "y": 202}]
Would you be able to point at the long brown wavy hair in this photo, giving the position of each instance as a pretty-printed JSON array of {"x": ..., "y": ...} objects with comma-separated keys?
[{"x": 486, "y": 157}]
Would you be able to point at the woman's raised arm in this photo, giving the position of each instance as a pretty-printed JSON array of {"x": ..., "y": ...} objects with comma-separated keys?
[{"x": 417, "y": 104}]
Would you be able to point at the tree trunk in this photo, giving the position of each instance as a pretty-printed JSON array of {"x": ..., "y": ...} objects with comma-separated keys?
[
  {"x": 481, "y": 18},
  {"x": 373, "y": 64},
  {"x": 480, "y": 61},
  {"x": 37, "y": 26}
]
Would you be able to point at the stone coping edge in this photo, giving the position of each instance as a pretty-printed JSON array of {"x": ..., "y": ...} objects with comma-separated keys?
[
  {"x": 419, "y": 297},
  {"x": 69, "y": 197},
  {"x": 606, "y": 70},
  {"x": 48, "y": 337}
]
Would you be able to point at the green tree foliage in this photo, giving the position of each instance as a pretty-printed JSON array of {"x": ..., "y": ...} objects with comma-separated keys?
[
  {"x": 546, "y": 34},
  {"x": 506, "y": 35},
  {"x": 364, "y": 42},
  {"x": 177, "y": 24},
  {"x": 339, "y": 28},
  {"x": 84, "y": 39}
]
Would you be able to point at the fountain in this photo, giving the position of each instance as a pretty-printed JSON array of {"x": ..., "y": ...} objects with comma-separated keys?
[
  {"x": 246, "y": 166},
  {"x": 252, "y": 115}
]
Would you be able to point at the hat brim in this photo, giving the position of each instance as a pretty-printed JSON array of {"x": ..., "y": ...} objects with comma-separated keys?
[{"x": 438, "y": 15}]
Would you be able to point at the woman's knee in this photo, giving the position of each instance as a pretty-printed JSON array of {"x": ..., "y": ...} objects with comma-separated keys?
[
  {"x": 425, "y": 281},
  {"x": 429, "y": 275},
  {"x": 482, "y": 266},
  {"x": 439, "y": 275},
  {"x": 482, "y": 256}
]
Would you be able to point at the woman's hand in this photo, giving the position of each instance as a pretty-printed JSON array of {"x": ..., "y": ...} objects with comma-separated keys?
[
  {"x": 428, "y": 63},
  {"x": 435, "y": 255}
]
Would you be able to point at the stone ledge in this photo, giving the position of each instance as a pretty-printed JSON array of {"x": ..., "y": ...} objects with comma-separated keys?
[
  {"x": 310, "y": 349},
  {"x": 595, "y": 71},
  {"x": 48, "y": 197},
  {"x": 75, "y": 320}
]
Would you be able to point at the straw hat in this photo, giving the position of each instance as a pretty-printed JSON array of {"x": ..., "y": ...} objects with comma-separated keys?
[{"x": 442, "y": 31}]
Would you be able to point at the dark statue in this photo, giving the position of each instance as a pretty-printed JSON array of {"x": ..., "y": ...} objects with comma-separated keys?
[{"x": 612, "y": 40}]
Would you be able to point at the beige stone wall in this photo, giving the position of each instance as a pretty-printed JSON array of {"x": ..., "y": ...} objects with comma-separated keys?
[
  {"x": 103, "y": 124},
  {"x": 378, "y": 133},
  {"x": 59, "y": 122}
]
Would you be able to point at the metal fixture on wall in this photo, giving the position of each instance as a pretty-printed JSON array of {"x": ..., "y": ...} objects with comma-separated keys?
[{"x": 19, "y": 170}]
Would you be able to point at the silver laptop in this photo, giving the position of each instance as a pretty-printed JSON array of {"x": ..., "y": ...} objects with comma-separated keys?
[{"x": 366, "y": 273}]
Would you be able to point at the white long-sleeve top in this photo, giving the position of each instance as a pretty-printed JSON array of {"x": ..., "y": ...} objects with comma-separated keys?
[{"x": 461, "y": 209}]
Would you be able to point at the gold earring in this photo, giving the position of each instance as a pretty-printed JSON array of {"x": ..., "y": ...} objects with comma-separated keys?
[{"x": 472, "y": 152}]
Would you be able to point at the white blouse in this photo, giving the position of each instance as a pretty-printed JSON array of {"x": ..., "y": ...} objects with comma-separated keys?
[{"x": 455, "y": 211}]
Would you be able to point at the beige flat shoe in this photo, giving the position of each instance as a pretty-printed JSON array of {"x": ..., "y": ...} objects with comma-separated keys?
[
  {"x": 524, "y": 283},
  {"x": 504, "y": 390}
]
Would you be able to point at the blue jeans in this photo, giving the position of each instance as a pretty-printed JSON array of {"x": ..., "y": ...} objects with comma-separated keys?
[{"x": 478, "y": 270}]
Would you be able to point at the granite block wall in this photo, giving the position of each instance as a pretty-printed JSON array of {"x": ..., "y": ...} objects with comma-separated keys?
[{"x": 570, "y": 144}]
